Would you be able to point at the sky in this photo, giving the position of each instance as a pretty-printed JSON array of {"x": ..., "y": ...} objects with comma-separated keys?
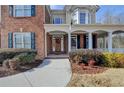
[{"x": 114, "y": 9}]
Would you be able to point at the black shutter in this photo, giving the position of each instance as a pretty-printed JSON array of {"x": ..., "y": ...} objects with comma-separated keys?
[
  {"x": 94, "y": 41},
  {"x": 11, "y": 10},
  {"x": 10, "y": 40},
  {"x": 32, "y": 40},
  {"x": 33, "y": 10},
  {"x": 78, "y": 41}
]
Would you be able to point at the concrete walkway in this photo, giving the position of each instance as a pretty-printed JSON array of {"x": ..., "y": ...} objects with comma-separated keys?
[{"x": 51, "y": 73}]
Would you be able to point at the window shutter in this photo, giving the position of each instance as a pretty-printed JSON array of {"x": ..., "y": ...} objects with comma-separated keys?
[
  {"x": 32, "y": 10},
  {"x": 78, "y": 41},
  {"x": 32, "y": 40},
  {"x": 10, "y": 40},
  {"x": 11, "y": 10}
]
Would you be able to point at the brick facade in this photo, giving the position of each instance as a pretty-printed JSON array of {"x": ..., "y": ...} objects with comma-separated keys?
[
  {"x": 27, "y": 24},
  {"x": 81, "y": 41},
  {"x": 34, "y": 24},
  {"x": 49, "y": 43}
]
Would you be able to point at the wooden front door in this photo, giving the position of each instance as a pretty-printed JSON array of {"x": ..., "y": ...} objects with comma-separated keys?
[{"x": 58, "y": 44}]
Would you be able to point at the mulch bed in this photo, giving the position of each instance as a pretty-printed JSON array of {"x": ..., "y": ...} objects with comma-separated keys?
[
  {"x": 86, "y": 69},
  {"x": 7, "y": 72}
]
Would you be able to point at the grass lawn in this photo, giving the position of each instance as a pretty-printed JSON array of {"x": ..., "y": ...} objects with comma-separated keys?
[{"x": 112, "y": 77}]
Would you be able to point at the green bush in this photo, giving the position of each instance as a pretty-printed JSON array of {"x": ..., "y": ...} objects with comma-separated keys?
[
  {"x": 9, "y": 53},
  {"x": 26, "y": 58},
  {"x": 83, "y": 55}
]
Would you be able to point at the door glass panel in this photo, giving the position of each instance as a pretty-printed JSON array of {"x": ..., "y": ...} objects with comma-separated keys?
[{"x": 73, "y": 42}]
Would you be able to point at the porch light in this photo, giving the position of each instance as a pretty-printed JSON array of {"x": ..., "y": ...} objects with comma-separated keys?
[{"x": 21, "y": 29}]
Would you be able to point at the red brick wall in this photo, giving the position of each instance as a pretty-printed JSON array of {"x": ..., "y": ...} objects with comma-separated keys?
[
  {"x": 66, "y": 43},
  {"x": 49, "y": 44},
  {"x": 29, "y": 24},
  {"x": 81, "y": 40}
]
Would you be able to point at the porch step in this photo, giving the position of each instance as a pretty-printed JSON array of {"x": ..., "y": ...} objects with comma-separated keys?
[{"x": 57, "y": 57}]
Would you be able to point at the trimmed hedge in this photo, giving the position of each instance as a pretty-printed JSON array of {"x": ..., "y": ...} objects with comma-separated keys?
[{"x": 9, "y": 53}]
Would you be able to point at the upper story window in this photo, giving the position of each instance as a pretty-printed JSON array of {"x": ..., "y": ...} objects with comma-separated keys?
[
  {"x": 57, "y": 20},
  {"x": 22, "y": 10},
  {"x": 75, "y": 17},
  {"x": 82, "y": 18}
]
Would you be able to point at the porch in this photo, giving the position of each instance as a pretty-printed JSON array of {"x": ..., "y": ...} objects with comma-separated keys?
[{"x": 63, "y": 38}]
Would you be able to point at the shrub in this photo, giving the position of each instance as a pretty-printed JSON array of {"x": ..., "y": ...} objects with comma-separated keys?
[
  {"x": 83, "y": 55},
  {"x": 107, "y": 59},
  {"x": 9, "y": 53},
  {"x": 26, "y": 58},
  {"x": 114, "y": 59},
  {"x": 6, "y": 64},
  {"x": 14, "y": 63},
  {"x": 20, "y": 59}
]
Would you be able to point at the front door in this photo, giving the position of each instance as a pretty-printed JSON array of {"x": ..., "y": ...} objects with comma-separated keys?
[{"x": 58, "y": 44}]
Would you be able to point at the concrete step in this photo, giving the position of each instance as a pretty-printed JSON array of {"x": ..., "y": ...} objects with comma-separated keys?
[{"x": 57, "y": 57}]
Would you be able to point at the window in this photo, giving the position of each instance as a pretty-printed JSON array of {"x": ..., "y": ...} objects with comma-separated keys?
[
  {"x": 22, "y": 10},
  {"x": 82, "y": 18},
  {"x": 75, "y": 17},
  {"x": 22, "y": 40},
  {"x": 57, "y": 20}
]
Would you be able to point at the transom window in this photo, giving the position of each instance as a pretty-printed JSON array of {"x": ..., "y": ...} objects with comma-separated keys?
[
  {"x": 22, "y": 40},
  {"x": 57, "y": 20},
  {"x": 22, "y": 10}
]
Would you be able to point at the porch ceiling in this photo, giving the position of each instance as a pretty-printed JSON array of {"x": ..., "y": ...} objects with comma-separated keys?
[{"x": 56, "y": 27}]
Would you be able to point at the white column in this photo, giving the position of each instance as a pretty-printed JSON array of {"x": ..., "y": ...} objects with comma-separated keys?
[
  {"x": 45, "y": 44},
  {"x": 105, "y": 42},
  {"x": 90, "y": 40},
  {"x": 69, "y": 42},
  {"x": 53, "y": 44},
  {"x": 62, "y": 45},
  {"x": 110, "y": 41}
]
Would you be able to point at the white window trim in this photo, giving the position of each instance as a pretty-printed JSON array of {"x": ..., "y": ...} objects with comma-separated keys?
[{"x": 22, "y": 34}]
